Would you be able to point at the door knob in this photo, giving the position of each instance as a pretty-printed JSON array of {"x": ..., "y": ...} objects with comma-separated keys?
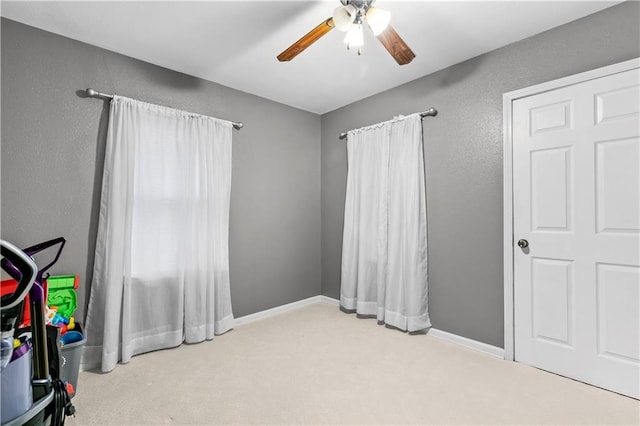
[{"x": 523, "y": 243}]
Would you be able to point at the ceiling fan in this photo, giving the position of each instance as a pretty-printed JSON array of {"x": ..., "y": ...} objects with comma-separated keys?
[{"x": 350, "y": 18}]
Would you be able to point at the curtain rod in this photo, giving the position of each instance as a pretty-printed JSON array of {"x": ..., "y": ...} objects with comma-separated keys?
[
  {"x": 95, "y": 94},
  {"x": 431, "y": 112}
]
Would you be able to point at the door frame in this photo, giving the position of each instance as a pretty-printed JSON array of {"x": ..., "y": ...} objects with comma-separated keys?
[{"x": 507, "y": 163}]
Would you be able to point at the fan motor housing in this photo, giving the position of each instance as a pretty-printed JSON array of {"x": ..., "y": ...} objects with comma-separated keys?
[{"x": 359, "y": 4}]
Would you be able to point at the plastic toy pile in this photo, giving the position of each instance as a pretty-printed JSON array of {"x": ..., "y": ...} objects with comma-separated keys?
[{"x": 61, "y": 304}]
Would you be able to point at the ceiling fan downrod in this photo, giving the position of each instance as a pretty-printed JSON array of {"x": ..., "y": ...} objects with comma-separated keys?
[{"x": 359, "y": 4}]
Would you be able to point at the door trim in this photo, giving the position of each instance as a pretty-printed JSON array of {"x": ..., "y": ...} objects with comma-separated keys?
[{"x": 507, "y": 163}]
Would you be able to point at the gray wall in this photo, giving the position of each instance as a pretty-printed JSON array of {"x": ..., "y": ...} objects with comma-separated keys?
[
  {"x": 53, "y": 153},
  {"x": 286, "y": 218},
  {"x": 463, "y": 157}
]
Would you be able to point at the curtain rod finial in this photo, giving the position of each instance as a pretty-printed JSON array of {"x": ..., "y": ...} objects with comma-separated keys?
[{"x": 431, "y": 112}]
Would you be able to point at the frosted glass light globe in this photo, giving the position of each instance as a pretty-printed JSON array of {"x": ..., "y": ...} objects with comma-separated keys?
[
  {"x": 378, "y": 19},
  {"x": 344, "y": 16}
]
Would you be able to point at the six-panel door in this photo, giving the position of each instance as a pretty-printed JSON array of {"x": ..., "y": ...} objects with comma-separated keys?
[{"x": 576, "y": 200}]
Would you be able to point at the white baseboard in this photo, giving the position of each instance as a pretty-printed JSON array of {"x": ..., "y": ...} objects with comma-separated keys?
[
  {"x": 453, "y": 338},
  {"x": 329, "y": 300},
  {"x": 466, "y": 342},
  {"x": 258, "y": 316},
  {"x": 284, "y": 308}
]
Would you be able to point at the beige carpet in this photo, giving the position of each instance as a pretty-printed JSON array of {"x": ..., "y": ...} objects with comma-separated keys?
[{"x": 317, "y": 365}]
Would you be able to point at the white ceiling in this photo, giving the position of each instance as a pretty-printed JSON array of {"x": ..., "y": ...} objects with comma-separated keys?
[{"x": 235, "y": 43}]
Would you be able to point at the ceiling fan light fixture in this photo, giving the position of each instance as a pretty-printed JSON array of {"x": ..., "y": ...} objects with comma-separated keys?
[
  {"x": 354, "y": 37},
  {"x": 344, "y": 16},
  {"x": 378, "y": 20},
  {"x": 350, "y": 18}
]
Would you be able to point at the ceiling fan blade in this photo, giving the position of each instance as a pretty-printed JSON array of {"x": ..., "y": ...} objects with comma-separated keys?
[
  {"x": 396, "y": 46},
  {"x": 307, "y": 40}
]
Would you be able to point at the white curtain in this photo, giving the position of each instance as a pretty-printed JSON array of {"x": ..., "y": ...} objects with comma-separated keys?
[
  {"x": 161, "y": 272},
  {"x": 384, "y": 247}
]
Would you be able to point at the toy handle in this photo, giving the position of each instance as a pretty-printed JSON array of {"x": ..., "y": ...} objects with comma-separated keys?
[{"x": 21, "y": 268}]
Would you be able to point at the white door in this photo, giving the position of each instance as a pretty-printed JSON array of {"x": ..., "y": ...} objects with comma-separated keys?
[{"x": 576, "y": 202}]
